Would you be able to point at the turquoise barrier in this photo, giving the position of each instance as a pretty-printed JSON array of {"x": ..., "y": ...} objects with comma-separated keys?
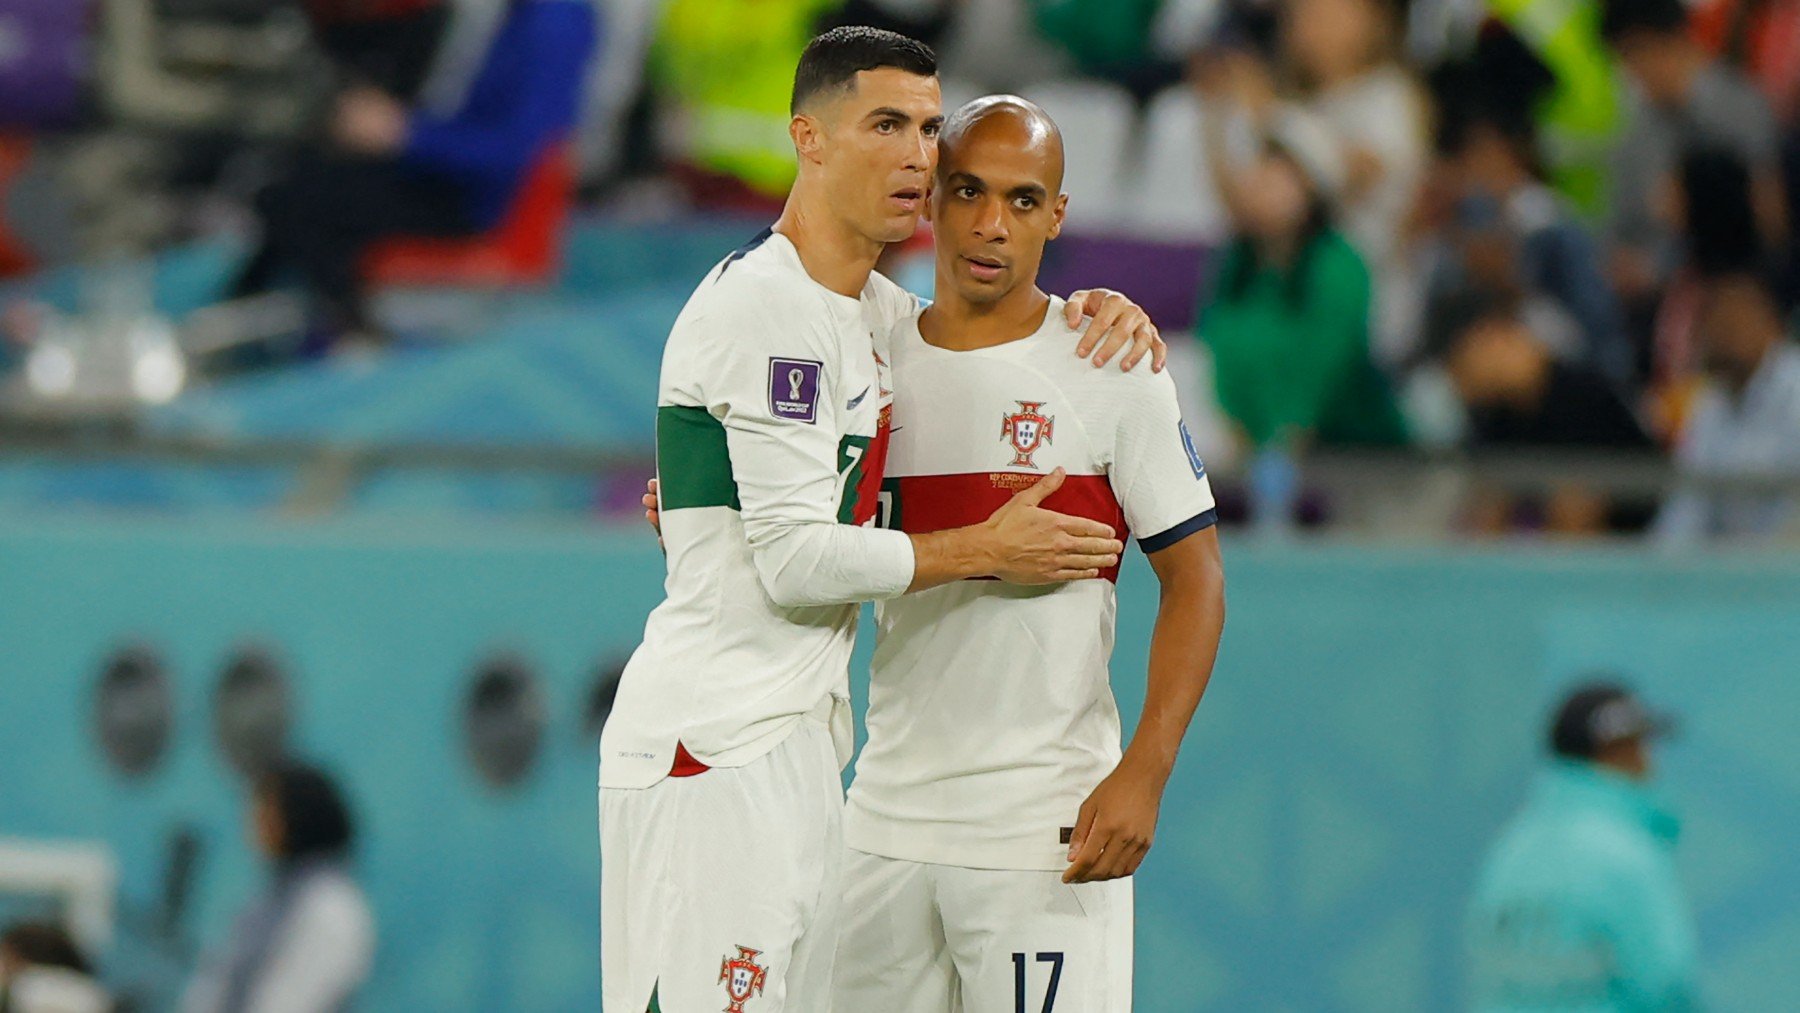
[{"x": 1373, "y": 721}]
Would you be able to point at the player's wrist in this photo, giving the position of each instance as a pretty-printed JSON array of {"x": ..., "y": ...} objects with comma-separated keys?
[
  {"x": 1148, "y": 759},
  {"x": 979, "y": 552}
]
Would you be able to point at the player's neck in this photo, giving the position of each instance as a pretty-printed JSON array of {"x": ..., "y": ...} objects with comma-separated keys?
[
  {"x": 834, "y": 255},
  {"x": 959, "y": 325}
]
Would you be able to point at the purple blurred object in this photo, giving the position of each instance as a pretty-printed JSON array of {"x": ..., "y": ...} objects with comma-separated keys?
[
  {"x": 1162, "y": 277},
  {"x": 43, "y": 61}
]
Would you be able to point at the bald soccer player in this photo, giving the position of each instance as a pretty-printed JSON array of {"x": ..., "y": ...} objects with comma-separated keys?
[
  {"x": 720, "y": 799},
  {"x": 994, "y": 821}
]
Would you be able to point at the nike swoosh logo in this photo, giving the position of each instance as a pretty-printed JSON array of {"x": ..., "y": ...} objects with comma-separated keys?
[{"x": 858, "y": 399}]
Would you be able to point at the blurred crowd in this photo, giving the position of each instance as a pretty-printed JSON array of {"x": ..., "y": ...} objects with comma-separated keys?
[{"x": 1491, "y": 224}]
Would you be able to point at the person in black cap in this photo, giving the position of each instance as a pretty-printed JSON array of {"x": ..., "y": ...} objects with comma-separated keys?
[{"x": 1577, "y": 906}]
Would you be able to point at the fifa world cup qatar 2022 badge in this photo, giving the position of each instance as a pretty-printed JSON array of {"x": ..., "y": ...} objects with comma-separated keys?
[
  {"x": 794, "y": 389},
  {"x": 743, "y": 978},
  {"x": 1028, "y": 429}
]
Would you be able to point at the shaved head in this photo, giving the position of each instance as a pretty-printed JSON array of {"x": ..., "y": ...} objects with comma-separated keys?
[
  {"x": 1017, "y": 123},
  {"x": 998, "y": 199}
]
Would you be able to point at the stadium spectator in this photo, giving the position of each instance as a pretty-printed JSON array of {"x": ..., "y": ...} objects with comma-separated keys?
[
  {"x": 1339, "y": 54},
  {"x": 305, "y": 944},
  {"x": 1522, "y": 235},
  {"x": 1763, "y": 37},
  {"x": 1108, "y": 39},
  {"x": 1287, "y": 319},
  {"x": 385, "y": 44},
  {"x": 1516, "y": 393},
  {"x": 724, "y": 72},
  {"x": 1520, "y": 394},
  {"x": 925, "y": 20},
  {"x": 1577, "y": 905},
  {"x": 1718, "y": 228},
  {"x": 1746, "y": 423},
  {"x": 390, "y": 170},
  {"x": 1343, "y": 55},
  {"x": 43, "y": 971},
  {"x": 1583, "y": 108},
  {"x": 1688, "y": 101}
]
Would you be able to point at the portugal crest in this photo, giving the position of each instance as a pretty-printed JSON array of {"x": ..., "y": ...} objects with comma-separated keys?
[
  {"x": 1027, "y": 429},
  {"x": 743, "y": 978}
]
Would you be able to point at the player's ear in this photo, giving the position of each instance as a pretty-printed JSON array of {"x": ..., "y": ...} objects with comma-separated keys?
[
  {"x": 1058, "y": 212},
  {"x": 809, "y": 137}
]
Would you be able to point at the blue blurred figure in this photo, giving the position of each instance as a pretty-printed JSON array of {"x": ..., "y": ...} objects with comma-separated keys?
[
  {"x": 392, "y": 170},
  {"x": 1578, "y": 909}
]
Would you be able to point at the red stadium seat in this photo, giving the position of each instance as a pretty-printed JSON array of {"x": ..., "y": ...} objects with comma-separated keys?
[
  {"x": 524, "y": 249},
  {"x": 15, "y": 153}
]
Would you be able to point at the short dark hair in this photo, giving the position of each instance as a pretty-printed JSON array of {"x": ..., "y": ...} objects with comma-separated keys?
[
  {"x": 1722, "y": 232},
  {"x": 315, "y": 821},
  {"x": 41, "y": 944},
  {"x": 833, "y": 59},
  {"x": 1662, "y": 17}
]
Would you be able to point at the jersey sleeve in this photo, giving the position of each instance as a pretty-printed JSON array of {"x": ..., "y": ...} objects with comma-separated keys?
[
  {"x": 777, "y": 387},
  {"x": 1155, "y": 471}
]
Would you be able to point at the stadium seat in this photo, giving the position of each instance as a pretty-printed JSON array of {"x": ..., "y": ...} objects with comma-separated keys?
[
  {"x": 524, "y": 249},
  {"x": 1097, "y": 122},
  {"x": 15, "y": 153},
  {"x": 1173, "y": 195}
]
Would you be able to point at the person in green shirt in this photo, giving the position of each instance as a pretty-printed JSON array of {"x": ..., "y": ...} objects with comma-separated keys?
[
  {"x": 1578, "y": 909},
  {"x": 1287, "y": 318}
]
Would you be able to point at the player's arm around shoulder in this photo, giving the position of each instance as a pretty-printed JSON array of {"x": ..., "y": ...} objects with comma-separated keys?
[
  {"x": 1109, "y": 324},
  {"x": 775, "y": 380}
]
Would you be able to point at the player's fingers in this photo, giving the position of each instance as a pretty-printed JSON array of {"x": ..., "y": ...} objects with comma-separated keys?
[
  {"x": 1103, "y": 866},
  {"x": 1084, "y": 527},
  {"x": 1112, "y": 337},
  {"x": 1084, "y": 823},
  {"x": 1073, "y": 311},
  {"x": 1143, "y": 342},
  {"x": 1124, "y": 856},
  {"x": 1064, "y": 576},
  {"x": 1113, "y": 859},
  {"x": 652, "y": 486},
  {"x": 1075, "y": 307},
  {"x": 1084, "y": 819},
  {"x": 1081, "y": 870},
  {"x": 1097, "y": 547},
  {"x": 1040, "y": 490},
  {"x": 1075, "y": 560},
  {"x": 1160, "y": 357},
  {"x": 1136, "y": 860}
]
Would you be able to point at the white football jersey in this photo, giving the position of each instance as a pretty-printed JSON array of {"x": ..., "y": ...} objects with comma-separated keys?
[
  {"x": 991, "y": 715},
  {"x": 771, "y": 429}
]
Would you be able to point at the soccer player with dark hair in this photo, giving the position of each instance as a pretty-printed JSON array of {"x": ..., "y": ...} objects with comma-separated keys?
[{"x": 720, "y": 800}]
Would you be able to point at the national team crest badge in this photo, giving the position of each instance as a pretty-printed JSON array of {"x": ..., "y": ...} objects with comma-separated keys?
[
  {"x": 743, "y": 978},
  {"x": 1027, "y": 429}
]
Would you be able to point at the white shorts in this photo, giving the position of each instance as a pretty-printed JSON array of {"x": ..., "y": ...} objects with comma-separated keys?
[
  {"x": 921, "y": 938},
  {"x": 721, "y": 890}
]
